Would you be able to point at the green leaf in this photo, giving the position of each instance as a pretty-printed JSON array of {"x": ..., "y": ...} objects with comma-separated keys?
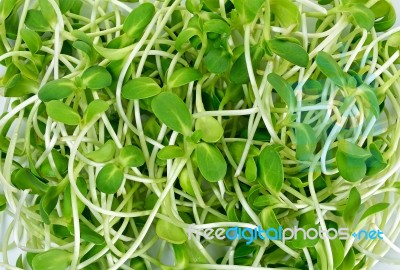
[
  {"x": 217, "y": 60},
  {"x": 244, "y": 250},
  {"x": 374, "y": 209},
  {"x": 138, "y": 20},
  {"x": 286, "y": 13},
  {"x": 183, "y": 76},
  {"x": 385, "y": 15},
  {"x": 140, "y": 88},
  {"x": 6, "y": 7},
  {"x": 302, "y": 241},
  {"x": 362, "y": 16},
  {"x": 348, "y": 261},
  {"x": 248, "y": 9},
  {"x": 19, "y": 86},
  {"x": 186, "y": 184},
  {"x": 95, "y": 109},
  {"x": 239, "y": 73},
  {"x": 3, "y": 202},
  {"x": 25, "y": 179},
  {"x": 350, "y": 168},
  {"x": 312, "y": 87},
  {"x": 217, "y": 26},
  {"x": 96, "y": 77},
  {"x": 138, "y": 263},
  {"x": 375, "y": 163},
  {"x": 112, "y": 54},
  {"x": 49, "y": 202},
  {"x": 283, "y": 89},
  {"x": 330, "y": 68},
  {"x": 353, "y": 150},
  {"x": 289, "y": 51},
  {"x": 60, "y": 112},
  {"x": 369, "y": 99},
  {"x": 36, "y": 21},
  {"x": 350, "y": 160},
  {"x": 211, "y": 162},
  {"x": 270, "y": 170},
  {"x": 48, "y": 12},
  {"x": 104, "y": 153},
  {"x": 352, "y": 207},
  {"x": 185, "y": 36},
  {"x": 131, "y": 156},
  {"x": 31, "y": 39},
  {"x": 170, "y": 152},
  {"x": 210, "y": 128},
  {"x": 172, "y": 111},
  {"x": 57, "y": 89},
  {"x": 263, "y": 201},
  {"x": 194, "y": 6},
  {"x": 268, "y": 218},
  {"x": 170, "y": 232},
  {"x": 337, "y": 252},
  {"x": 60, "y": 162},
  {"x": 251, "y": 170},
  {"x": 67, "y": 204},
  {"x": 109, "y": 179},
  {"x": 306, "y": 141},
  {"x": 53, "y": 259},
  {"x": 87, "y": 234},
  {"x": 236, "y": 149},
  {"x": 66, "y": 5}
]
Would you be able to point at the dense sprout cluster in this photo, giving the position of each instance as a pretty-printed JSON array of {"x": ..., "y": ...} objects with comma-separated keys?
[{"x": 126, "y": 124}]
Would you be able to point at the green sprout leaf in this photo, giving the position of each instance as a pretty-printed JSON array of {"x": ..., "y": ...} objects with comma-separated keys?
[
  {"x": 283, "y": 89},
  {"x": 138, "y": 20},
  {"x": 350, "y": 160},
  {"x": 32, "y": 40},
  {"x": 289, "y": 51},
  {"x": 170, "y": 152},
  {"x": 306, "y": 141},
  {"x": 109, "y": 179},
  {"x": 352, "y": 206},
  {"x": 286, "y": 13},
  {"x": 210, "y": 128},
  {"x": 53, "y": 259},
  {"x": 374, "y": 209},
  {"x": 57, "y": 89},
  {"x": 270, "y": 170},
  {"x": 19, "y": 86},
  {"x": 330, "y": 68},
  {"x": 49, "y": 202},
  {"x": 183, "y": 76},
  {"x": 217, "y": 60},
  {"x": 36, "y": 21},
  {"x": 3, "y": 202},
  {"x": 95, "y": 109},
  {"x": 363, "y": 16},
  {"x": 67, "y": 204},
  {"x": 25, "y": 179},
  {"x": 248, "y": 9},
  {"x": 131, "y": 156},
  {"x": 104, "y": 153},
  {"x": 172, "y": 111},
  {"x": 170, "y": 233},
  {"x": 211, "y": 162},
  {"x": 96, "y": 77},
  {"x": 60, "y": 112},
  {"x": 140, "y": 88}
]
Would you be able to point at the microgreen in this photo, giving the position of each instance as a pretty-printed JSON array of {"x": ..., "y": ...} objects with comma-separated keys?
[{"x": 125, "y": 125}]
